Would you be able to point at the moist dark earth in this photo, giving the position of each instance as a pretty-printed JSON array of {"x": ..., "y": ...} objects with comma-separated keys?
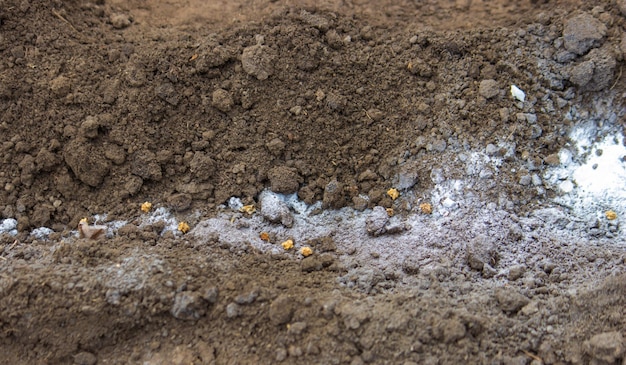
[{"x": 106, "y": 105}]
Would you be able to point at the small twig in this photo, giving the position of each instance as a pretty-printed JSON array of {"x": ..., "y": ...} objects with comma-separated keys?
[
  {"x": 618, "y": 77},
  {"x": 63, "y": 19},
  {"x": 533, "y": 356}
]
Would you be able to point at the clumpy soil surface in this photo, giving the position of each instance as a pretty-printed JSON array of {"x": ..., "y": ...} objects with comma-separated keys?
[{"x": 449, "y": 222}]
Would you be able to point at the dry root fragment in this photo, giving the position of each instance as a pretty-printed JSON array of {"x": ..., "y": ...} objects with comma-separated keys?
[
  {"x": 426, "y": 208},
  {"x": 183, "y": 227},
  {"x": 610, "y": 215},
  {"x": 393, "y": 193},
  {"x": 146, "y": 206},
  {"x": 90, "y": 232},
  {"x": 287, "y": 245},
  {"x": 306, "y": 251}
]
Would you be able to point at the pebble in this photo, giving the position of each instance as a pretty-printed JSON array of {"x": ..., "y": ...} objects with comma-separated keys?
[
  {"x": 525, "y": 180},
  {"x": 187, "y": 306},
  {"x": 377, "y": 221},
  {"x": 274, "y": 209},
  {"x": 233, "y": 310},
  {"x": 85, "y": 358}
]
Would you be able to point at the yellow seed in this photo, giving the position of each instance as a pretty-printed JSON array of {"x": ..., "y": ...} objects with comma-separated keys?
[
  {"x": 393, "y": 193},
  {"x": 183, "y": 227},
  {"x": 610, "y": 215},
  {"x": 146, "y": 206},
  {"x": 287, "y": 245},
  {"x": 84, "y": 220},
  {"x": 248, "y": 209},
  {"x": 426, "y": 208},
  {"x": 306, "y": 251}
]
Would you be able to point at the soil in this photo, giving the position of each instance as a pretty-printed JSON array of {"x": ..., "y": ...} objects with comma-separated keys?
[{"x": 203, "y": 107}]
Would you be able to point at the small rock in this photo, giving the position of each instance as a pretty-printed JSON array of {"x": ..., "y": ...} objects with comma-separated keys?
[
  {"x": 211, "y": 295},
  {"x": 258, "y": 61},
  {"x": 488, "y": 88},
  {"x": 480, "y": 252},
  {"x": 583, "y": 32},
  {"x": 167, "y": 92},
  {"x": 233, "y": 310},
  {"x": 281, "y": 354},
  {"x": 274, "y": 209},
  {"x": 510, "y": 301},
  {"x": 89, "y": 128},
  {"x": 85, "y": 358},
  {"x": 407, "y": 176},
  {"x": 606, "y": 347},
  {"x": 297, "y": 328},
  {"x": 188, "y": 306},
  {"x": 491, "y": 149},
  {"x": 222, "y": 100},
  {"x": 276, "y": 146},
  {"x": 247, "y": 298},
  {"x": 377, "y": 221},
  {"x": 525, "y": 180},
  {"x": 552, "y": 160}
]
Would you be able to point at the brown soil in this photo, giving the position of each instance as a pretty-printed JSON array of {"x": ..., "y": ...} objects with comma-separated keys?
[{"x": 107, "y": 104}]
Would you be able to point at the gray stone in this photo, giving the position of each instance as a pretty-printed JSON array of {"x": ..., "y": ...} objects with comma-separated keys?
[
  {"x": 258, "y": 61},
  {"x": 583, "y": 32},
  {"x": 525, "y": 180},
  {"x": 377, "y": 221},
  {"x": 222, "y": 100},
  {"x": 233, "y": 310},
  {"x": 188, "y": 306},
  {"x": 85, "y": 358},
  {"x": 274, "y": 209}
]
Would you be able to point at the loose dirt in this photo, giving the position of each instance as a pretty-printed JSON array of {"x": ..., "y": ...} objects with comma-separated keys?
[{"x": 450, "y": 222}]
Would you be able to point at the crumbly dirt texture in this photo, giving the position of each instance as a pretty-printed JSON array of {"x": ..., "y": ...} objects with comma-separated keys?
[{"x": 105, "y": 105}]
